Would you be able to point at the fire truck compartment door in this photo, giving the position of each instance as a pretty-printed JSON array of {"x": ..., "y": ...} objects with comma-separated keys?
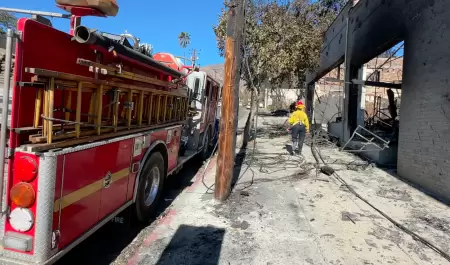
[
  {"x": 95, "y": 184},
  {"x": 115, "y": 186}
]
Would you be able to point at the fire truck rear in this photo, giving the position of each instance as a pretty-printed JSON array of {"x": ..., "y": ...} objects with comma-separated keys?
[{"x": 97, "y": 124}]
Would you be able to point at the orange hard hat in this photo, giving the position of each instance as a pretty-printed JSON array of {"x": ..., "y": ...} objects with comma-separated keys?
[{"x": 299, "y": 105}]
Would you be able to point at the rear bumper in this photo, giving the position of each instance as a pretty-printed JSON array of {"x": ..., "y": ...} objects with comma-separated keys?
[{"x": 7, "y": 258}]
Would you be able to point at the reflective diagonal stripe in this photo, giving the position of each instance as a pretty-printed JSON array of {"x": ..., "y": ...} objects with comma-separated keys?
[
  {"x": 88, "y": 190},
  {"x": 120, "y": 174}
]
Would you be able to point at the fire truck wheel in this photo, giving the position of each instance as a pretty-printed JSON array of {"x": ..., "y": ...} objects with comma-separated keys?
[
  {"x": 150, "y": 187},
  {"x": 206, "y": 152}
]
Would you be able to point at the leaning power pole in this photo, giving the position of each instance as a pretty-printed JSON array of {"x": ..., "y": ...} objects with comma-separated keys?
[{"x": 230, "y": 99}]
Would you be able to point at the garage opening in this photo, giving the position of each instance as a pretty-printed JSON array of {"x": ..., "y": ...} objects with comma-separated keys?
[
  {"x": 373, "y": 110},
  {"x": 379, "y": 93}
]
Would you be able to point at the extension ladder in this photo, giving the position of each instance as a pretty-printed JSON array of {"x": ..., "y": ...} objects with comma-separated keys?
[{"x": 93, "y": 109}]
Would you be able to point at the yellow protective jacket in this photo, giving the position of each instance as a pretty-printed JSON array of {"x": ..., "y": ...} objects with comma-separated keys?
[{"x": 299, "y": 116}]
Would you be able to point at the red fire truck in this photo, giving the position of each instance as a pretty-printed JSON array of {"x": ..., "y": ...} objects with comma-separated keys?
[{"x": 97, "y": 124}]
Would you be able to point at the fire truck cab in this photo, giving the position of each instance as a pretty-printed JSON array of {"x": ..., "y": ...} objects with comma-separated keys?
[{"x": 96, "y": 127}]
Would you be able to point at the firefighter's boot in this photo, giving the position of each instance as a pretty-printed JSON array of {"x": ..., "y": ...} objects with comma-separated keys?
[{"x": 295, "y": 146}]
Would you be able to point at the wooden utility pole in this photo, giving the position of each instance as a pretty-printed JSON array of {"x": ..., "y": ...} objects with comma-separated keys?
[
  {"x": 194, "y": 58},
  {"x": 230, "y": 99}
]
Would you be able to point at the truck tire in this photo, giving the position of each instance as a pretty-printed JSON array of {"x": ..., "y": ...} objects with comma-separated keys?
[
  {"x": 150, "y": 187},
  {"x": 206, "y": 151}
]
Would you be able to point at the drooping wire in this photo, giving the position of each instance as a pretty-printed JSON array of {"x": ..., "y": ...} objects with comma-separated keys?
[{"x": 208, "y": 188}]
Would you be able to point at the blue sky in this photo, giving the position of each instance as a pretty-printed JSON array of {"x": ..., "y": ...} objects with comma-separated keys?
[{"x": 153, "y": 21}]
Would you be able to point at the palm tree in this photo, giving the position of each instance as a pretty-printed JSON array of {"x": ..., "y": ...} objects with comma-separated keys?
[{"x": 184, "y": 39}]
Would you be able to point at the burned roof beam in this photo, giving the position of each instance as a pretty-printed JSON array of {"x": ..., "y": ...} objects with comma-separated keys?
[{"x": 377, "y": 84}]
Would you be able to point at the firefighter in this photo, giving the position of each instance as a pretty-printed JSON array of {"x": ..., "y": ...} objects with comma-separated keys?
[{"x": 299, "y": 127}]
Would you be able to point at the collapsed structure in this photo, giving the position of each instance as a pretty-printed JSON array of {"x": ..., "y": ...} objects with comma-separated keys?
[{"x": 361, "y": 32}]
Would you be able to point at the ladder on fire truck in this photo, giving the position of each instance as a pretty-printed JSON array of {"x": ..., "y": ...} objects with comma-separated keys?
[{"x": 114, "y": 108}]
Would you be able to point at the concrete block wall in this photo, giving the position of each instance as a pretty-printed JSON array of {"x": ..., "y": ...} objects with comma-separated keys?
[{"x": 424, "y": 142}]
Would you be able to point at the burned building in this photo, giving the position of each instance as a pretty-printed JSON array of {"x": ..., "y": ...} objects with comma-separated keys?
[{"x": 364, "y": 30}]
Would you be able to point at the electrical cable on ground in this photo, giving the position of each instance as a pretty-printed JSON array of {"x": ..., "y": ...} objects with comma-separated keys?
[
  {"x": 397, "y": 224},
  {"x": 318, "y": 157}
]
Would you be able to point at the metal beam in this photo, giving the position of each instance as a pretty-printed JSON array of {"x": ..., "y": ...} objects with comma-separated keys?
[
  {"x": 32, "y": 12},
  {"x": 5, "y": 107},
  {"x": 377, "y": 84},
  {"x": 366, "y": 83}
]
